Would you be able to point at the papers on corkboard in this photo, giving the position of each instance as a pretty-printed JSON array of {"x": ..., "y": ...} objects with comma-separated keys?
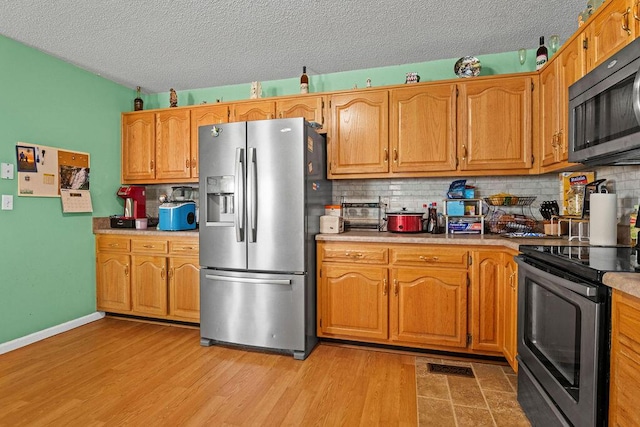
[{"x": 43, "y": 171}]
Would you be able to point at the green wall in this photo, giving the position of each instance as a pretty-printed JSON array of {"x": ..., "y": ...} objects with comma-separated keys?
[
  {"x": 47, "y": 271},
  {"x": 47, "y": 263},
  {"x": 499, "y": 63}
]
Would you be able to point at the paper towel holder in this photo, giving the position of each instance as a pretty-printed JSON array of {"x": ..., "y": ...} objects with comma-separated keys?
[{"x": 590, "y": 188}]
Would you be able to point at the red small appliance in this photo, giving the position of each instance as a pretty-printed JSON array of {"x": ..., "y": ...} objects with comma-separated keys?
[{"x": 135, "y": 200}]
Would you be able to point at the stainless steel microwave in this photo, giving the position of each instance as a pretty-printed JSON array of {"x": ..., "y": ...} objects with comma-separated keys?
[{"x": 604, "y": 111}]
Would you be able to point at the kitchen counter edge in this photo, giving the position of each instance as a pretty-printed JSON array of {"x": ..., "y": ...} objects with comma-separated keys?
[{"x": 102, "y": 226}]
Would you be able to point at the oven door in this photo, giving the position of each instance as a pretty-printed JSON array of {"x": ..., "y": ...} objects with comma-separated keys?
[{"x": 561, "y": 342}]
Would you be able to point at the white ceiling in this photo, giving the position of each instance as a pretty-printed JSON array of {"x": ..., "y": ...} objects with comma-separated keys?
[{"x": 189, "y": 44}]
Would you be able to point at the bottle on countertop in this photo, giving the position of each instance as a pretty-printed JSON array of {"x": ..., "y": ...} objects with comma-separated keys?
[
  {"x": 432, "y": 224},
  {"x": 138, "y": 102},
  {"x": 304, "y": 81},
  {"x": 542, "y": 54}
]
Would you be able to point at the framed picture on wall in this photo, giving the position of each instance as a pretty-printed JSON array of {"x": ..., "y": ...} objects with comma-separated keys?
[{"x": 26, "y": 158}]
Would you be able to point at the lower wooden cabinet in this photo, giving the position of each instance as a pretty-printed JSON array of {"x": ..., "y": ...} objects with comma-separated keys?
[
  {"x": 441, "y": 297},
  {"x": 625, "y": 360},
  {"x": 148, "y": 276},
  {"x": 508, "y": 309}
]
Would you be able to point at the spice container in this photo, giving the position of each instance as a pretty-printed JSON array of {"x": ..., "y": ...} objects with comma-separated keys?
[{"x": 575, "y": 200}]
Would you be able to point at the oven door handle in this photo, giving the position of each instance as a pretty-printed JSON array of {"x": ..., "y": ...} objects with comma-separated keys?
[{"x": 583, "y": 289}]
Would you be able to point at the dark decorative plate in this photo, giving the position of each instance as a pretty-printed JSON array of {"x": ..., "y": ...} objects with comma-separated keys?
[{"x": 467, "y": 66}]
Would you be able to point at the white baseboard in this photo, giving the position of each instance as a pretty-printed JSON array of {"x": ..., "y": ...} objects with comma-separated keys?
[{"x": 49, "y": 332}]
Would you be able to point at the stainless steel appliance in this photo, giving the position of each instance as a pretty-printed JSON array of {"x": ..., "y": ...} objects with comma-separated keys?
[
  {"x": 564, "y": 331},
  {"x": 263, "y": 189},
  {"x": 604, "y": 111}
]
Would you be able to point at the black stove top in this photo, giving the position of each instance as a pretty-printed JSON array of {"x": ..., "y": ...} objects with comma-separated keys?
[{"x": 589, "y": 262}]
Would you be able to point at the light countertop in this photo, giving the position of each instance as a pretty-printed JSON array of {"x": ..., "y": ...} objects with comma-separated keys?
[{"x": 102, "y": 226}]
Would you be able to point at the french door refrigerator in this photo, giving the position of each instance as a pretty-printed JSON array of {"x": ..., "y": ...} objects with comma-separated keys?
[{"x": 263, "y": 188}]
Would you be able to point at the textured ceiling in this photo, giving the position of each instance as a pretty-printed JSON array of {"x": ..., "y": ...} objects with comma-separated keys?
[{"x": 159, "y": 44}]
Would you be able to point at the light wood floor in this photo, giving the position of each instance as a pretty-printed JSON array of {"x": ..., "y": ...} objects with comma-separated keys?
[{"x": 118, "y": 372}]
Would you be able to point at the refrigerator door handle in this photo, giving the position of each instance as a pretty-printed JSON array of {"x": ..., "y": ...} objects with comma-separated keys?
[
  {"x": 248, "y": 280},
  {"x": 252, "y": 196},
  {"x": 238, "y": 203}
]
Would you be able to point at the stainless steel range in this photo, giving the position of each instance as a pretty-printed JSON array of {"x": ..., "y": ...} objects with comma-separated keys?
[{"x": 564, "y": 322}]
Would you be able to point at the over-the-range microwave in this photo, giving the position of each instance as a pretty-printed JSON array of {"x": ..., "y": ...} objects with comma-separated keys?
[{"x": 604, "y": 111}]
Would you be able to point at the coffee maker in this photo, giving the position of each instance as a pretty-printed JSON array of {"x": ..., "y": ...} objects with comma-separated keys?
[{"x": 135, "y": 200}]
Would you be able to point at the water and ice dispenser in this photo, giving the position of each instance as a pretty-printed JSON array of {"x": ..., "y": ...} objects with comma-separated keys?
[{"x": 220, "y": 193}]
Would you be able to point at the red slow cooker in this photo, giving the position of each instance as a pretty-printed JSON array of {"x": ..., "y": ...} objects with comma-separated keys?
[{"x": 405, "y": 222}]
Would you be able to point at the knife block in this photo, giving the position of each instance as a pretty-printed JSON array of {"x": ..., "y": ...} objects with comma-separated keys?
[{"x": 555, "y": 228}]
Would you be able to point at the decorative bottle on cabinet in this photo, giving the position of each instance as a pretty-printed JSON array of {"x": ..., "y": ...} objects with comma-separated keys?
[
  {"x": 542, "y": 55},
  {"x": 304, "y": 81},
  {"x": 138, "y": 102}
]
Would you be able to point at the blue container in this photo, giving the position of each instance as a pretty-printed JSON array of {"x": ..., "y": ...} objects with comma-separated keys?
[{"x": 175, "y": 216}]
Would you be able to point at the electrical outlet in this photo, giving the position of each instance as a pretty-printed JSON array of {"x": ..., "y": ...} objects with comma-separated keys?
[
  {"x": 7, "y": 170},
  {"x": 7, "y": 202}
]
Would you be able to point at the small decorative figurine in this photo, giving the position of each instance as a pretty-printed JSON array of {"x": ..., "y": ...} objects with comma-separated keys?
[
  {"x": 368, "y": 82},
  {"x": 412, "y": 78},
  {"x": 173, "y": 98},
  {"x": 256, "y": 90}
]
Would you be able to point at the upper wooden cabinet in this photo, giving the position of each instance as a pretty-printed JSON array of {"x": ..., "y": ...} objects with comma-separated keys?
[
  {"x": 495, "y": 124},
  {"x": 613, "y": 26},
  {"x": 202, "y": 116},
  {"x": 253, "y": 110},
  {"x": 359, "y": 136},
  {"x": 312, "y": 108},
  {"x": 157, "y": 147},
  {"x": 423, "y": 128},
  {"x": 173, "y": 144},
  {"x": 564, "y": 69},
  {"x": 138, "y": 147}
]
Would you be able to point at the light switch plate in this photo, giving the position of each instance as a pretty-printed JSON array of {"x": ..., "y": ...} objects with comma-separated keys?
[
  {"x": 6, "y": 170},
  {"x": 7, "y": 202}
]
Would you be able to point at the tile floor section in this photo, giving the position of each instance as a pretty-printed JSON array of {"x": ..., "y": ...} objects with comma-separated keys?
[{"x": 489, "y": 399}]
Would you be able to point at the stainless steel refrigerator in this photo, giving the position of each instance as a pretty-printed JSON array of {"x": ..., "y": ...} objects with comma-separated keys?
[{"x": 263, "y": 188}]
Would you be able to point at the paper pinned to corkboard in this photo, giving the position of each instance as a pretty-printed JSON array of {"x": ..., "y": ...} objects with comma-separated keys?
[{"x": 44, "y": 170}]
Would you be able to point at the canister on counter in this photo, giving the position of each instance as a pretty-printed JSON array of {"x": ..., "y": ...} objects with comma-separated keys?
[{"x": 333, "y": 210}]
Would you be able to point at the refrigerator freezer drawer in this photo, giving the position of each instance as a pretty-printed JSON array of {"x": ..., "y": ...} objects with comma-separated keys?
[{"x": 254, "y": 309}]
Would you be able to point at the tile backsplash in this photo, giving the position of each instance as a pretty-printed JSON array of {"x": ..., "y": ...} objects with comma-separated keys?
[{"x": 413, "y": 193}]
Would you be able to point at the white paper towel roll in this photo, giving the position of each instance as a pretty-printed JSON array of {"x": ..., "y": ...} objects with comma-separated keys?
[{"x": 603, "y": 219}]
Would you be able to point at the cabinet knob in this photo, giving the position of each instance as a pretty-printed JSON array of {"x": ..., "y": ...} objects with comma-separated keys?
[
  {"x": 162, "y": 273},
  {"x": 395, "y": 155},
  {"x": 395, "y": 287},
  {"x": 385, "y": 289},
  {"x": 386, "y": 155},
  {"x": 464, "y": 152},
  {"x": 126, "y": 269},
  {"x": 426, "y": 259},
  {"x": 636, "y": 11}
]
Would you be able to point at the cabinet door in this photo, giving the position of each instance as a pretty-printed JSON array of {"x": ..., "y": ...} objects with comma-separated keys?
[
  {"x": 173, "y": 144},
  {"x": 423, "y": 128},
  {"x": 253, "y": 110},
  {"x": 429, "y": 306},
  {"x": 609, "y": 30},
  {"x": 359, "y": 137},
  {"x": 113, "y": 290},
  {"x": 138, "y": 147},
  {"x": 353, "y": 302},
  {"x": 571, "y": 67},
  {"x": 149, "y": 284},
  {"x": 625, "y": 360},
  {"x": 203, "y": 116},
  {"x": 309, "y": 107},
  {"x": 494, "y": 124},
  {"x": 549, "y": 113},
  {"x": 487, "y": 274},
  {"x": 184, "y": 288},
  {"x": 509, "y": 311}
]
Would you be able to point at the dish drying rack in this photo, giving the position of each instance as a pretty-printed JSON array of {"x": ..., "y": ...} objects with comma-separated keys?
[
  {"x": 363, "y": 215},
  {"x": 501, "y": 219}
]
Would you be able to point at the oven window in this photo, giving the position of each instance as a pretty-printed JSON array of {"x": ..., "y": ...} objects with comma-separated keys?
[
  {"x": 552, "y": 332},
  {"x": 607, "y": 116}
]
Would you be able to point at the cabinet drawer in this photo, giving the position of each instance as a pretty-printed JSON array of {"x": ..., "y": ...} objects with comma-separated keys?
[
  {"x": 184, "y": 247},
  {"x": 149, "y": 246},
  {"x": 430, "y": 255},
  {"x": 367, "y": 254},
  {"x": 113, "y": 243}
]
